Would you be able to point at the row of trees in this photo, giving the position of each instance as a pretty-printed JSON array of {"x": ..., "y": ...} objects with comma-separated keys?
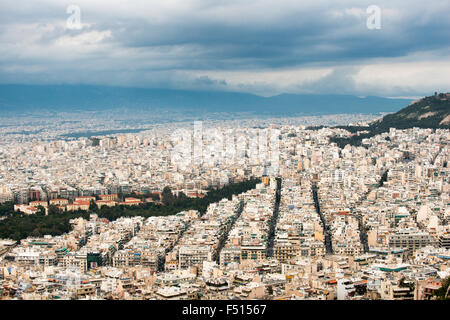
[
  {"x": 19, "y": 226},
  {"x": 171, "y": 204},
  {"x": 6, "y": 208}
]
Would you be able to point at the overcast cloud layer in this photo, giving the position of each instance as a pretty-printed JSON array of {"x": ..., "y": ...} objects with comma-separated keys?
[{"x": 263, "y": 47}]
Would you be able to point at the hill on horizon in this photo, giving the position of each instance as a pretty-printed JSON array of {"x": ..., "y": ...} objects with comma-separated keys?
[
  {"x": 15, "y": 98},
  {"x": 429, "y": 112}
]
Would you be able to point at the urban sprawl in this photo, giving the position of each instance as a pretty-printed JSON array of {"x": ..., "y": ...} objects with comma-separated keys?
[{"x": 322, "y": 223}]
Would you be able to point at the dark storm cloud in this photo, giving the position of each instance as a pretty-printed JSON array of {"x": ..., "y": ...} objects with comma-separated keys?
[{"x": 151, "y": 43}]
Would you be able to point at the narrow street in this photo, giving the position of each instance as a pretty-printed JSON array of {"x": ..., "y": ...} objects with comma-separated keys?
[
  {"x": 361, "y": 226},
  {"x": 326, "y": 229},
  {"x": 273, "y": 221},
  {"x": 224, "y": 237}
]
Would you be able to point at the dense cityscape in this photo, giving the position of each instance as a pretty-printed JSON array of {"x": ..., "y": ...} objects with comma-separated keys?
[{"x": 318, "y": 222}]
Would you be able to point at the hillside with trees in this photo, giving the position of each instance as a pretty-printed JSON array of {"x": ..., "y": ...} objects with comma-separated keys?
[{"x": 429, "y": 112}]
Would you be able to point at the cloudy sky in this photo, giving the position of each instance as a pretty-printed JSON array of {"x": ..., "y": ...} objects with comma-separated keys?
[{"x": 263, "y": 47}]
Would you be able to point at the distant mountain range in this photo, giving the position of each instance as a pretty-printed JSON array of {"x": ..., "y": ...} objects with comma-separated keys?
[
  {"x": 67, "y": 98},
  {"x": 429, "y": 112}
]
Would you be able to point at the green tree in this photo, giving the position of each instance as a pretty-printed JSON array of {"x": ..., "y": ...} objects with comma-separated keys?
[
  {"x": 52, "y": 210},
  {"x": 93, "y": 206},
  {"x": 167, "y": 196},
  {"x": 443, "y": 292},
  {"x": 41, "y": 211}
]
